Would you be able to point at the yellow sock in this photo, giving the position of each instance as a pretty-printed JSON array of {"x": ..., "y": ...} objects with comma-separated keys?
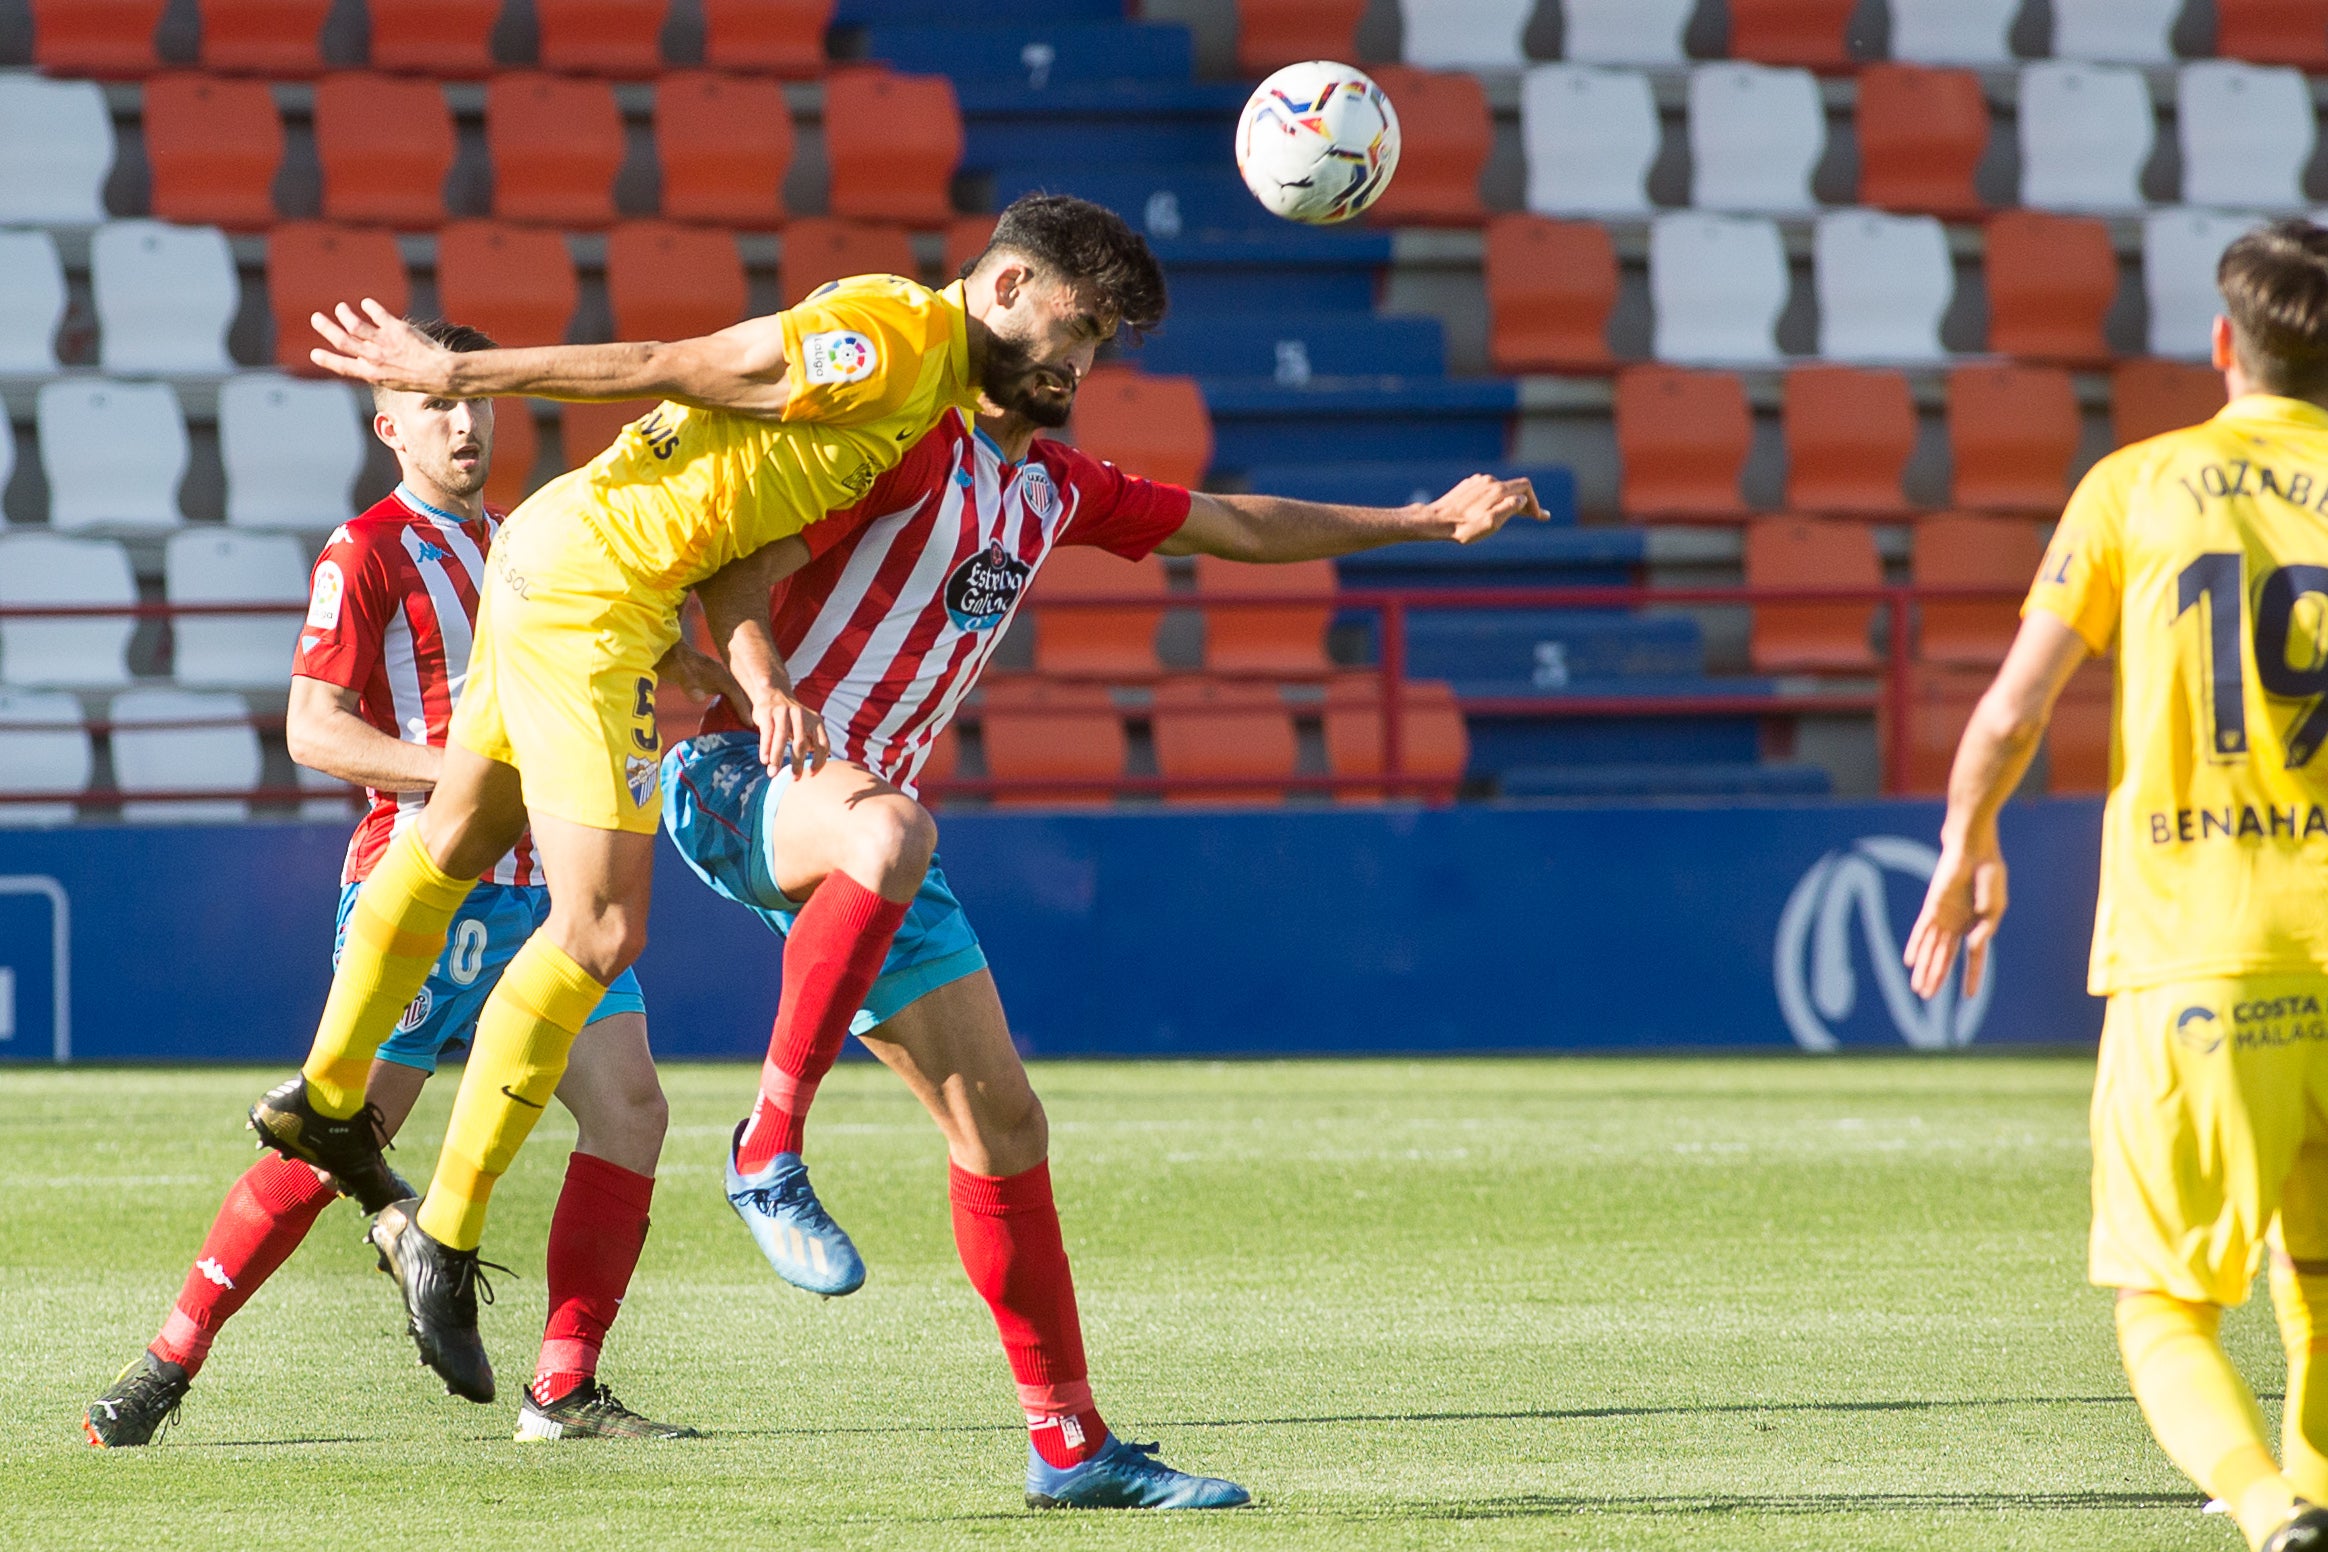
[
  {"x": 2301, "y": 1298},
  {"x": 395, "y": 934},
  {"x": 2200, "y": 1410},
  {"x": 527, "y": 1027}
]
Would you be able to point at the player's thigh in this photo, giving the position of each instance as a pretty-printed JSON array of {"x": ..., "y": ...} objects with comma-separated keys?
[
  {"x": 601, "y": 884},
  {"x": 842, "y": 818},
  {"x": 952, "y": 1047},
  {"x": 475, "y": 814}
]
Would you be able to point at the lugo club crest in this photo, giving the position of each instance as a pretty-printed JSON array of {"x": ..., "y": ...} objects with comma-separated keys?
[{"x": 982, "y": 589}]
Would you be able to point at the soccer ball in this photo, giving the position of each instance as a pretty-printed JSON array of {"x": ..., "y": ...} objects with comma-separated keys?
[{"x": 1317, "y": 142}]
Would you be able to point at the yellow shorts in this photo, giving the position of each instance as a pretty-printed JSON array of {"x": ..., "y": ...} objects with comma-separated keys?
[
  {"x": 562, "y": 676},
  {"x": 2210, "y": 1137}
]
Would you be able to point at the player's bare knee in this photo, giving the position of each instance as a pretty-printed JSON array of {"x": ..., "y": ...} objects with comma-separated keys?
[{"x": 891, "y": 839}]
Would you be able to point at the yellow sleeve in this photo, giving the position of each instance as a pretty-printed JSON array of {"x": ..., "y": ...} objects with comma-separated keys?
[
  {"x": 854, "y": 350},
  {"x": 2083, "y": 576}
]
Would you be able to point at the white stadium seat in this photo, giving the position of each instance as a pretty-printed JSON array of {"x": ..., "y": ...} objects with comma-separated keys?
[
  {"x": 1590, "y": 136},
  {"x": 1466, "y": 34},
  {"x": 2086, "y": 131},
  {"x": 1624, "y": 32},
  {"x": 165, "y": 297},
  {"x": 114, "y": 451},
  {"x": 334, "y": 798},
  {"x": 2179, "y": 251},
  {"x": 1717, "y": 285},
  {"x": 293, "y": 451},
  {"x": 212, "y": 565},
  {"x": 32, "y": 301},
  {"x": 1883, "y": 284},
  {"x": 44, "y": 747},
  {"x": 1953, "y": 32},
  {"x": 2131, "y": 32},
  {"x": 56, "y": 146},
  {"x": 45, "y": 569},
  {"x": 7, "y": 459},
  {"x": 1755, "y": 134},
  {"x": 2247, "y": 131},
  {"x": 219, "y": 754}
]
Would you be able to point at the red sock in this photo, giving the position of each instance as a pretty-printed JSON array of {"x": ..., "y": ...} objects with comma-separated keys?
[
  {"x": 1007, "y": 1230},
  {"x": 596, "y": 1234},
  {"x": 260, "y": 1223},
  {"x": 832, "y": 957}
]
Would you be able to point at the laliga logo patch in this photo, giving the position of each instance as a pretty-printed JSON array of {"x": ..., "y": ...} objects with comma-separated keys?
[
  {"x": 639, "y": 772},
  {"x": 841, "y": 356},
  {"x": 1040, "y": 495},
  {"x": 983, "y": 588},
  {"x": 1818, "y": 986},
  {"x": 416, "y": 1012},
  {"x": 323, "y": 604},
  {"x": 2199, "y": 1030}
]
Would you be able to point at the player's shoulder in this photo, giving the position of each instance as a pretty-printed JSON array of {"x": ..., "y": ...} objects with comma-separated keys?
[
  {"x": 379, "y": 528},
  {"x": 873, "y": 293}
]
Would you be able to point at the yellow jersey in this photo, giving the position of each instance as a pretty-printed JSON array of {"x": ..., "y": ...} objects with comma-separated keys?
[
  {"x": 874, "y": 361},
  {"x": 2203, "y": 554}
]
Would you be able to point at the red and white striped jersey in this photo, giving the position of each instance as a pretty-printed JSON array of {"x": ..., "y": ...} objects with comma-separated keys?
[
  {"x": 390, "y": 610},
  {"x": 887, "y": 629}
]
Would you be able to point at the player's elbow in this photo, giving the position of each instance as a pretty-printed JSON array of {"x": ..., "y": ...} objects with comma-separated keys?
[{"x": 2013, "y": 723}]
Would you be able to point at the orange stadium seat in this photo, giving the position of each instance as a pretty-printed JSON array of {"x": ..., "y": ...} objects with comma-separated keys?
[
  {"x": 517, "y": 447},
  {"x": 619, "y": 38},
  {"x": 1445, "y": 138},
  {"x": 1811, "y": 553},
  {"x": 1433, "y": 742},
  {"x": 312, "y": 265},
  {"x": 108, "y": 39},
  {"x": 1940, "y": 702},
  {"x": 1217, "y": 729},
  {"x": 770, "y": 37},
  {"x": 264, "y": 37},
  {"x": 1271, "y": 33},
  {"x": 1682, "y": 437},
  {"x": 725, "y": 143},
  {"x": 2051, "y": 280},
  {"x": 1037, "y": 731},
  {"x": 2078, "y": 741},
  {"x": 516, "y": 283},
  {"x": 1849, "y": 434},
  {"x": 2013, "y": 432},
  {"x": 1791, "y": 32},
  {"x": 893, "y": 142},
  {"x": 672, "y": 282},
  {"x": 586, "y": 430},
  {"x": 557, "y": 145},
  {"x": 966, "y": 238},
  {"x": 2148, "y": 397},
  {"x": 444, "y": 38},
  {"x": 1962, "y": 549},
  {"x": 944, "y": 758},
  {"x": 1551, "y": 286},
  {"x": 818, "y": 248},
  {"x": 1099, "y": 643},
  {"x": 1153, "y": 426},
  {"x": 1289, "y": 641},
  {"x": 1922, "y": 134},
  {"x": 2273, "y": 32},
  {"x": 214, "y": 147},
  {"x": 386, "y": 145}
]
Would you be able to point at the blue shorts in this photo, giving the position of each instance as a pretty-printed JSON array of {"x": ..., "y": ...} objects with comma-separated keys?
[
  {"x": 488, "y": 929},
  {"x": 717, "y": 801}
]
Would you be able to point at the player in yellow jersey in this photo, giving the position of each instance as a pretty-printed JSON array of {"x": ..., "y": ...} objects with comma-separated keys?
[
  {"x": 764, "y": 428},
  {"x": 2203, "y": 556}
]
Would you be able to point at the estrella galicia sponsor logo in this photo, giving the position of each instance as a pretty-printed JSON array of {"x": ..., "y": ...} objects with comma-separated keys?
[
  {"x": 1845, "y": 900},
  {"x": 2199, "y": 1030},
  {"x": 983, "y": 588},
  {"x": 2262, "y": 1022},
  {"x": 417, "y": 1011}
]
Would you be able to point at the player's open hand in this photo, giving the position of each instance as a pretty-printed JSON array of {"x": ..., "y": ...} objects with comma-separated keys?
[
  {"x": 1483, "y": 503},
  {"x": 1961, "y": 910},
  {"x": 790, "y": 733},
  {"x": 375, "y": 346}
]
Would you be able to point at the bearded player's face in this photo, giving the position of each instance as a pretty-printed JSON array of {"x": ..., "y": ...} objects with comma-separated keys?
[
  {"x": 1043, "y": 334},
  {"x": 447, "y": 443}
]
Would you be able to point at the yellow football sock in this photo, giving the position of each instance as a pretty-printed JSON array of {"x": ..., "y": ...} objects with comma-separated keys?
[
  {"x": 2301, "y": 1298},
  {"x": 395, "y": 933},
  {"x": 527, "y": 1027},
  {"x": 2200, "y": 1410}
]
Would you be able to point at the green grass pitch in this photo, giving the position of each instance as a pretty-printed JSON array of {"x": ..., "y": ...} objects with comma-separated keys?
[{"x": 1578, "y": 1304}]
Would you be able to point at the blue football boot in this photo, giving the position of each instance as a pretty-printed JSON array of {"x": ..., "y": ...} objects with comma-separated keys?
[
  {"x": 791, "y": 1227},
  {"x": 1125, "y": 1475}
]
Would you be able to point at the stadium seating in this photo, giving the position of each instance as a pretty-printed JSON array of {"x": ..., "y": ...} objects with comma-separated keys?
[
  {"x": 44, "y": 747},
  {"x": 672, "y": 282},
  {"x": 46, "y": 569},
  {"x": 211, "y": 565},
  {"x": 32, "y": 301},
  {"x": 725, "y": 144},
  {"x": 1625, "y": 32},
  {"x": 165, "y": 296},
  {"x": 2086, "y": 131},
  {"x": 115, "y": 453},
  {"x": 263, "y": 37},
  {"x": 1940, "y": 702},
  {"x": 184, "y": 741},
  {"x": 1037, "y": 731},
  {"x": 818, "y": 249},
  {"x": 1717, "y": 284},
  {"x": 557, "y": 145},
  {"x": 516, "y": 453},
  {"x": 292, "y": 450},
  {"x": 2077, "y": 740},
  {"x": 893, "y": 143},
  {"x": 386, "y": 145},
  {"x": 773, "y": 37},
  {"x": 1288, "y": 641},
  {"x": 1883, "y": 283},
  {"x": 1590, "y": 136},
  {"x": 1273, "y": 33},
  {"x": 2012, "y": 432},
  {"x": 1755, "y": 134},
  {"x": 1219, "y": 730},
  {"x": 2150, "y": 397},
  {"x": 1814, "y": 554},
  {"x": 2247, "y": 134},
  {"x": 7, "y": 458},
  {"x": 2132, "y": 32},
  {"x": 1849, "y": 435},
  {"x": 2180, "y": 249},
  {"x": 1922, "y": 134},
  {"x": 1152, "y": 426},
  {"x": 213, "y": 147},
  {"x": 1953, "y": 32},
  {"x": 1682, "y": 438},
  {"x": 313, "y": 265},
  {"x": 586, "y": 430},
  {"x": 2051, "y": 281},
  {"x": 517, "y": 284},
  {"x": 966, "y": 237},
  {"x": 56, "y": 146},
  {"x": 1959, "y": 549},
  {"x": 620, "y": 38},
  {"x": 103, "y": 39},
  {"x": 1791, "y": 32},
  {"x": 1433, "y": 743},
  {"x": 2273, "y": 32},
  {"x": 1446, "y": 135},
  {"x": 1551, "y": 286},
  {"x": 1099, "y": 643},
  {"x": 445, "y": 39},
  {"x": 1464, "y": 34}
]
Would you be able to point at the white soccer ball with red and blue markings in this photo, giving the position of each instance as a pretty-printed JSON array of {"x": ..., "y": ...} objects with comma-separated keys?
[{"x": 1317, "y": 142}]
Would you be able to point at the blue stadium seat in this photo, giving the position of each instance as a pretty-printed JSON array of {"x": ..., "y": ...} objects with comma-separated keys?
[
  {"x": 892, "y": 13},
  {"x": 1396, "y": 484},
  {"x": 1293, "y": 347},
  {"x": 1711, "y": 779},
  {"x": 1035, "y": 54},
  {"x": 1097, "y": 123},
  {"x": 1454, "y": 419},
  {"x": 1501, "y": 744},
  {"x": 1331, "y": 270},
  {"x": 1168, "y": 200},
  {"x": 1556, "y": 651}
]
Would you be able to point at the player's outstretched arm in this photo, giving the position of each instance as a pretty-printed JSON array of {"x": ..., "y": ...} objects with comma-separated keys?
[
  {"x": 1966, "y": 900},
  {"x": 1278, "y": 528},
  {"x": 741, "y": 368},
  {"x": 325, "y": 733},
  {"x": 735, "y": 606}
]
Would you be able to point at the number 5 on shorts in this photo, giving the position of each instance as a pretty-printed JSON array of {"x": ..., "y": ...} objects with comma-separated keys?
[{"x": 644, "y": 734}]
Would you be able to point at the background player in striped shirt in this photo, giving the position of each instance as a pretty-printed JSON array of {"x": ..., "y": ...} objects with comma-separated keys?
[
  {"x": 379, "y": 665},
  {"x": 885, "y": 616}
]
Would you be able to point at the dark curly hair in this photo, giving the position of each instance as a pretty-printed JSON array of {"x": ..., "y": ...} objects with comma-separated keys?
[
  {"x": 1079, "y": 240},
  {"x": 459, "y": 337}
]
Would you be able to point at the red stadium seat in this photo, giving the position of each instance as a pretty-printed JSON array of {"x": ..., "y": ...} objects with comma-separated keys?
[
  {"x": 1940, "y": 702},
  {"x": 108, "y": 39},
  {"x": 386, "y": 145},
  {"x": 893, "y": 142},
  {"x": 725, "y": 143},
  {"x": 768, "y": 37},
  {"x": 1446, "y": 136},
  {"x": 944, "y": 758},
  {"x": 1791, "y": 32},
  {"x": 818, "y": 248},
  {"x": 1099, "y": 643},
  {"x": 1433, "y": 742},
  {"x": 312, "y": 265},
  {"x": 1849, "y": 435},
  {"x": 1683, "y": 438},
  {"x": 2273, "y": 32},
  {"x": 2149, "y": 397},
  {"x": 557, "y": 145},
  {"x": 448, "y": 39},
  {"x": 618, "y": 38},
  {"x": 1817, "y": 554},
  {"x": 667, "y": 282},
  {"x": 2078, "y": 742},
  {"x": 966, "y": 238},
  {"x": 263, "y": 37},
  {"x": 2051, "y": 280},
  {"x": 214, "y": 147},
  {"x": 1153, "y": 426},
  {"x": 516, "y": 283},
  {"x": 2013, "y": 431},
  {"x": 1964, "y": 550},
  {"x": 1272, "y": 33},
  {"x": 586, "y": 430},
  {"x": 1551, "y": 286},
  {"x": 1288, "y": 641},
  {"x": 1034, "y": 730},
  {"x": 1922, "y": 134},
  {"x": 517, "y": 447},
  {"x": 1219, "y": 729}
]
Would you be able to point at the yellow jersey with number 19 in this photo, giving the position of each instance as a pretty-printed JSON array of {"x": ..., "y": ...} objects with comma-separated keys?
[{"x": 2203, "y": 554}]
